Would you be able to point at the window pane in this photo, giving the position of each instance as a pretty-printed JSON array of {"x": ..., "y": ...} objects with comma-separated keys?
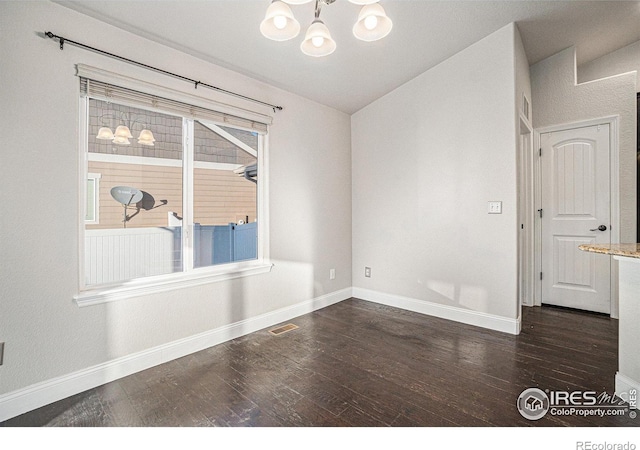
[
  {"x": 224, "y": 197},
  {"x": 140, "y": 194}
]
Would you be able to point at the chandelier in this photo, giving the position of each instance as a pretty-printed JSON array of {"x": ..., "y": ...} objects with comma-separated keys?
[
  {"x": 279, "y": 24},
  {"x": 122, "y": 133}
]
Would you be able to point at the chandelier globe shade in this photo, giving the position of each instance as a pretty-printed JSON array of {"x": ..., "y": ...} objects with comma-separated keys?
[
  {"x": 279, "y": 23},
  {"x": 372, "y": 24},
  {"x": 105, "y": 133},
  {"x": 317, "y": 41},
  {"x": 146, "y": 138},
  {"x": 121, "y": 140},
  {"x": 123, "y": 132}
]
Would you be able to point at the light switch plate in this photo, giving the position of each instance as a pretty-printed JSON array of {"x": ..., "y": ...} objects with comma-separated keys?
[{"x": 495, "y": 207}]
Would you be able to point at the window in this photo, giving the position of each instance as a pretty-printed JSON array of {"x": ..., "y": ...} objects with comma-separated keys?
[
  {"x": 178, "y": 204},
  {"x": 224, "y": 194}
]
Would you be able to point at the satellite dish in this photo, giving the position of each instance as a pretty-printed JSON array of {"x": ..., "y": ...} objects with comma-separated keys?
[{"x": 126, "y": 195}]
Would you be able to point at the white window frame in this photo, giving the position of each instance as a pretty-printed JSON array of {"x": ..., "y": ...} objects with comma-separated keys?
[
  {"x": 95, "y": 177},
  {"x": 91, "y": 295}
]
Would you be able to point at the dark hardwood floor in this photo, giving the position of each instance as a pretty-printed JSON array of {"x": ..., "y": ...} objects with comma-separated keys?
[{"x": 360, "y": 364}]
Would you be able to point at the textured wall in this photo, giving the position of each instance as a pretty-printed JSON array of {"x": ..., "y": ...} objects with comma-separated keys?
[
  {"x": 626, "y": 59},
  {"x": 46, "y": 334},
  {"x": 557, "y": 99},
  {"x": 427, "y": 158}
]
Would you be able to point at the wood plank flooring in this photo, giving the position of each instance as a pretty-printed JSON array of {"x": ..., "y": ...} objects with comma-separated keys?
[{"x": 360, "y": 364}]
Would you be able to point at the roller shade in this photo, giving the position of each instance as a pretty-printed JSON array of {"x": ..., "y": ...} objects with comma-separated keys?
[{"x": 117, "y": 94}]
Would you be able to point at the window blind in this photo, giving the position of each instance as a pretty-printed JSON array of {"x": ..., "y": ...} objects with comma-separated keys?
[{"x": 117, "y": 94}]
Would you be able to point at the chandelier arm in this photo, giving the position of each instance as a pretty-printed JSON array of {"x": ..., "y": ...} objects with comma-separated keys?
[{"x": 319, "y": 4}]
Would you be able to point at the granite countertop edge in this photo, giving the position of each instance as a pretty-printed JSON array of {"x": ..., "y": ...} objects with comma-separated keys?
[{"x": 628, "y": 250}]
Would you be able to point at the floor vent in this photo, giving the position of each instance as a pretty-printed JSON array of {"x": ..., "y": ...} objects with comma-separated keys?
[{"x": 283, "y": 329}]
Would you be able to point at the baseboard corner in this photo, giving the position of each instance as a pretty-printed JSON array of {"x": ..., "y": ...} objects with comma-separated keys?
[
  {"x": 456, "y": 314},
  {"x": 624, "y": 385}
]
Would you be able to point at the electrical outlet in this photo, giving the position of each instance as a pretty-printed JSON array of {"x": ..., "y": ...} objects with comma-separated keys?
[
  {"x": 332, "y": 274},
  {"x": 1, "y": 352},
  {"x": 367, "y": 272}
]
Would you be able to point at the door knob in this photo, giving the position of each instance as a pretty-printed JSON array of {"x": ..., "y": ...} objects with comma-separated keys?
[{"x": 600, "y": 228}]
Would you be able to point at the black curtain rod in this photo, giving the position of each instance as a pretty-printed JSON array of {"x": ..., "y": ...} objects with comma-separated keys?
[{"x": 195, "y": 83}]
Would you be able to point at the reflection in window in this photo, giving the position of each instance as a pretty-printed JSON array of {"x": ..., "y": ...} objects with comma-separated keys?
[
  {"x": 224, "y": 195},
  {"x": 145, "y": 200}
]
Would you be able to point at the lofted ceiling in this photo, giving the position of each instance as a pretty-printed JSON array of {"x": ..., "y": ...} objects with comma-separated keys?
[{"x": 425, "y": 33}]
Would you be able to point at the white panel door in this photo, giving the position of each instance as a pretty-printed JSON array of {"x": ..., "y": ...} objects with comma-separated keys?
[{"x": 576, "y": 210}]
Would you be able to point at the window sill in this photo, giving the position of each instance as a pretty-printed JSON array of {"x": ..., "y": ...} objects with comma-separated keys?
[{"x": 164, "y": 283}]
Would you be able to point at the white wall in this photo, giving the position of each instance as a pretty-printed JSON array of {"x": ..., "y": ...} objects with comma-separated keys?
[
  {"x": 557, "y": 99},
  {"x": 46, "y": 334},
  {"x": 626, "y": 59},
  {"x": 523, "y": 79},
  {"x": 524, "y": 161},
  {"x": 426, "y": 160}
]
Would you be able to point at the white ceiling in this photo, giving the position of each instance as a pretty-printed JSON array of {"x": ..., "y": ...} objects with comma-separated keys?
[{"x": 425, "y": 32}]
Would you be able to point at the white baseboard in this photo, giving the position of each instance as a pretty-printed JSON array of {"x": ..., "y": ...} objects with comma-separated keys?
[
  {"x": 479, "y": 319},
  {"x": 624, "y": 385},
  {"x": 44, "y": 393},
  {"x": 24, "y": 400}
]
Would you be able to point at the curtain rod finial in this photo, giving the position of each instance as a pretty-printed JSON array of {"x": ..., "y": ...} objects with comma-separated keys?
[{"x": 50, "y": 35}]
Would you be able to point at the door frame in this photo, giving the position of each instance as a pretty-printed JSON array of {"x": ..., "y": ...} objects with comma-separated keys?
[
  {"x": 526, "y": 187},
  {"x": 614, "y": 187}
]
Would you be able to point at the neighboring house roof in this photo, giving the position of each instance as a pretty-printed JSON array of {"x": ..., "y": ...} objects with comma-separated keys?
[{"x": 167, "y": 130}]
